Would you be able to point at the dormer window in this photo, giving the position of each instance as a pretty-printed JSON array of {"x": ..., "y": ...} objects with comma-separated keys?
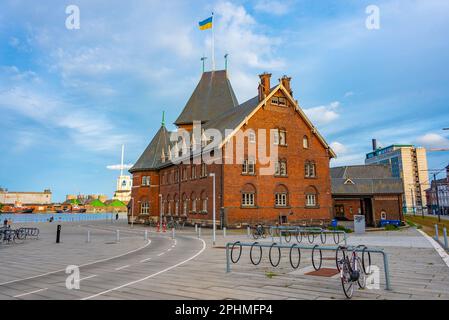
[{"x": 282, "y": 102}]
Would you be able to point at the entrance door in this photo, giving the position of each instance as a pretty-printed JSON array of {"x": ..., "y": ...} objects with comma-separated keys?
[{"x": 368, "y": 212}]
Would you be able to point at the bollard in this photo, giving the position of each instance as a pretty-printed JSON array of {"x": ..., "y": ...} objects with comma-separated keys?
[
  {"x": 117, "y": 236},
  {"x": 248, "y": 231},
  {"x": 88, "y": 236},
  {"x": 172, "y": 233},
  {"x": 199, "y": 232},
  {"x": 196, "y": 228},
  {"x": 58, "y": 234},
  {"x": 224, "y": 232},
  {"x": 145, "y": 236},
  {"x": 436, "y": 232},
  {"x": 445, "y": 238}
]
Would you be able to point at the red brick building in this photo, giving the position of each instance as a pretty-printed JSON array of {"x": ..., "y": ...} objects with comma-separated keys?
[
  {"x": 368, "y": 190},
  {"x": 297, "y": 187}
]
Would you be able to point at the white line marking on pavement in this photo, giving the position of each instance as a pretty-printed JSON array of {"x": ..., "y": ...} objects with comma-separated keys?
[
  {"x": 150, "y": 276},
  {"x": 25, "y": 294},
  {"x": 160, "y": 254},
  {"x": 145, "y": 260},
  {"x": 122, "y": 267},
  {"x": 83, "y": 265},
  {"x": 169, "y": 250},
  {"x": 94, "y": 275},
  {"x": 437, "y": 247}
]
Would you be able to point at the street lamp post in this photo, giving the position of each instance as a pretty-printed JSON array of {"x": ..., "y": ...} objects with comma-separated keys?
[
  {"x": 213, "y": 204},
  {"x": 436, "y": 193}
]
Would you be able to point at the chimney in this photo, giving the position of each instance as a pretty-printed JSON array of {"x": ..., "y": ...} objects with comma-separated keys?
[
  {"x": 286, "y": 83},
  {"x": 374, "y": 144},
  {"x": 264, "y": 86}
]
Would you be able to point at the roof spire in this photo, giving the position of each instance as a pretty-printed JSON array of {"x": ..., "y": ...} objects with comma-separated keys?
[
  {"x": 226, "y": 61},
  {"x": 163, "y": 118}
]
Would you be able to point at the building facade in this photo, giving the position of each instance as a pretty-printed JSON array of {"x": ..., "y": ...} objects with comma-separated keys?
[
  {"x": 438, "y": 195},
  {"x": 231, "y": 141},
  {"x": 369, "y": 190},
  {"x": 25, "y": 198},
  {"x": 123, "y": 189},
  {"x": 410, "y": 164}
]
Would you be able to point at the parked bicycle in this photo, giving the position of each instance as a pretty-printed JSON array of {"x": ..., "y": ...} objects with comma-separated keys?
[
  {"x": 351, "y": 270},
  {"x": 259, "y": 232}
]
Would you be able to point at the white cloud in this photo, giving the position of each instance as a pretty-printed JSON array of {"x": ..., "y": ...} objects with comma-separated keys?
[
  {"x": 84, "y": 128},
  {"x": 273, "y": 7},
  {"x": 349, "y": 94},
  {"x": 325, "y": 114},
  {"x": 433, "y": 141},
  {"x": 339, "y": 148},
  {"x": 250, "y": 49}
]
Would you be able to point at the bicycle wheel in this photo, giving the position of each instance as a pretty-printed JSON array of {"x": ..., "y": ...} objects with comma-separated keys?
[
  {"x": 255, "y": 234},
  {"x": 287, "y": 236},
  {"x": 313, "y": 258},
  {"x": 362, "y": 275},
  {"x": 299, "y": 236},
  {"x": 341, "y": 251},
  {"x": 232, "y": 252},
  {"x": 251, "y": 254},
  {"x": 346, "y": 283},
  {"x": 299, "y": 256},
  {"x": 279, "y": 255},
  {"x": 323, "y": 237}
]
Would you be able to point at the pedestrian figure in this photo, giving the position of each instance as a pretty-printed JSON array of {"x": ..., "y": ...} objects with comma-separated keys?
[
  {"x": 5, "y": 222},
  {"x": 116, "y": 216}
]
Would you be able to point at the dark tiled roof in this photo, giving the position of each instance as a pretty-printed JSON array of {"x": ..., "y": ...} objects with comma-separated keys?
[
  {"x": 364, "y": 180},
  {"x": 212, "y": 96},
  {"x": 151, "y": 158}
]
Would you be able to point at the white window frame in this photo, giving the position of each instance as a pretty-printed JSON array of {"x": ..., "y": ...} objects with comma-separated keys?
[
  {"x": 252, "y": 137},
  {"x": 251, "y": 166},
  {"x": 282, "y": 137},
  {"x": 311, "y": 200},
  {"x": 145, "y": 207},
  {"x": 280, "y": 199},
  {"x": 248, "y": 199},
  {"x": 305, "y": 142}
]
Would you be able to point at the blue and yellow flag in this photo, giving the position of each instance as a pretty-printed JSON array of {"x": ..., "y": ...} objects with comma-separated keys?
[{"x": 206, "y": 24}]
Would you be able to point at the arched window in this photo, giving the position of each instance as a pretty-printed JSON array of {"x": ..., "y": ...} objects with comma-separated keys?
[
  {"x": 193, "y": 202},
  {"x": 248, "y": 195},
  {"x": 310, "y": 169},
  {"x": 305, "y": 142},
  {"x": 311, "y": 197},
  {"x": 185, "y": 204},
  {"x": 145, "y": 207},
  {"x": 169, "y": 205},
  {"x": 204, "y": 202},
  {"x": 281, "y": 196},
  {"x": 176, "y": 198}
]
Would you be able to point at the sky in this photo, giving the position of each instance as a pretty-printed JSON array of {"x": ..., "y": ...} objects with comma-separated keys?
[{"x": 70, "y": 97}]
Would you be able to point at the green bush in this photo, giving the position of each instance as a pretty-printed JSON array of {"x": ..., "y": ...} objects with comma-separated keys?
[
  {"x": 391, "y": 227},
  {"x": 340, "y": 228}
]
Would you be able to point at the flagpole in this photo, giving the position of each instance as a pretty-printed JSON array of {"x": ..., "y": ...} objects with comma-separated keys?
[{"x": 213, "y": 43}]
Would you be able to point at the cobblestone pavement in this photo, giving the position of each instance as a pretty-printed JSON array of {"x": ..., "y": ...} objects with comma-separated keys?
[{"x": 190, "y": 268}]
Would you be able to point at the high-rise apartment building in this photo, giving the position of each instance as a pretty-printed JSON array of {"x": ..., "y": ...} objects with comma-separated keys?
[{"x": 409, "y": 163}]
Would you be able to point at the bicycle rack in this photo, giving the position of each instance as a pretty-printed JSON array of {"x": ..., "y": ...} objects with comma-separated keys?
[
  {"x": 231, "y": 245},
  {"x": 306, "y": 231}
]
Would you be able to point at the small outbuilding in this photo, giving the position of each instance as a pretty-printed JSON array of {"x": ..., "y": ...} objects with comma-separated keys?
[{"x": 369, "y": 190}]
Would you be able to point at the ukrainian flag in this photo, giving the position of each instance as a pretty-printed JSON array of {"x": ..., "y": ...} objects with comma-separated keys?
[{"x": 206, "y": 24}]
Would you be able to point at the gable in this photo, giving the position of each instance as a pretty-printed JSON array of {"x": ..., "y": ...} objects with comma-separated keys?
[{"x": 277, "y": 92}]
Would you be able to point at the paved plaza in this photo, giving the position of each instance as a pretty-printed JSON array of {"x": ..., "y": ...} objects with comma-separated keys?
[{"x": 188, "y": 267}]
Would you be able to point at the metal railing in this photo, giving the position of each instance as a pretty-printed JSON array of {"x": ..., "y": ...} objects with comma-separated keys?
[{"x": 231, "y": 246}]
